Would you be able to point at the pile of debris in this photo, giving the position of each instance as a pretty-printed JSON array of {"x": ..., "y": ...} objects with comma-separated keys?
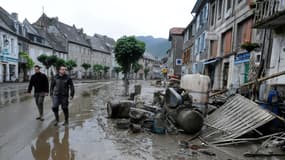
[
  {"x": 177, "y": 109},
  {"x": 217, "y": 121}
]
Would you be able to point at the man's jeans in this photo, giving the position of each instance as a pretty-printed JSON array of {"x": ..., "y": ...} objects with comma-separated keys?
[
  {"x": 39, "y": 98},
  {"x": 63, "y": 101}
]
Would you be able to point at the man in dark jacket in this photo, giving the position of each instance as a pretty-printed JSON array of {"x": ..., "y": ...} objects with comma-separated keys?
[
  {"x": 40, "y": 83},
  {"x": 59, "y": 90}
]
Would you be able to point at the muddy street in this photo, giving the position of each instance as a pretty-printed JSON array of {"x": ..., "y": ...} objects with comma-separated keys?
[{"x": 90, "y": 134}]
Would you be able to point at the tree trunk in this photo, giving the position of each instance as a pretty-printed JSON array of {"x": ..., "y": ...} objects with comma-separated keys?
[
  {"x": 25, "y": 74},
  {"x": 136, "y": 77},
  {"x": 126, "y": 84},
  {"x": 51, "y": 72}
]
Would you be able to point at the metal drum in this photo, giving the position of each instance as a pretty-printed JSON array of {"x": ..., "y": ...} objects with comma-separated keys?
[{"x": 189, "y": 120}]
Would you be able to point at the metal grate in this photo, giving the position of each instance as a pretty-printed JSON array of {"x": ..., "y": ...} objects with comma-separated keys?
[{"x": 235, "y": 118}]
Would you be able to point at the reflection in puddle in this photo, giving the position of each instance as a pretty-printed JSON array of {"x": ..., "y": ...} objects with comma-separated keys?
[
  {"x": 15, "y": 95},
  {"x": 51, "y": 145}
]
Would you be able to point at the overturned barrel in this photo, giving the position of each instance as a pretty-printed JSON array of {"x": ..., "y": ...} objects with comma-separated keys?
[
  {"x": 189, "y": 120},
  {"x": 119, "y": 109}
]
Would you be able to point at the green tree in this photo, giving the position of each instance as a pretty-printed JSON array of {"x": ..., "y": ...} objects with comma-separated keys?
[
  {"x": 43, "y": 59},
  {"x": 128, "y": 50},
  {"x": 117, "y": 70},
  {"x": 146, "y": 71},
  {"x": 105, "y": 69},
  {"x": 28, "y": 65},
  {"x": 86, "y": 66},
  {"x": 136, "y": 67},
  {"x": 47, "y": 61},
  {"x": 70, "y": 64},
  {"x": 97, "y": 68},
  {"x": 59, "y": 62}
]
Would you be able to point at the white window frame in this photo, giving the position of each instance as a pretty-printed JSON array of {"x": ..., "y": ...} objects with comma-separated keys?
[{"x": 228, "y": 11}]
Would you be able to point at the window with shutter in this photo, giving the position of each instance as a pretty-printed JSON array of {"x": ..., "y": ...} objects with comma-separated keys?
[
  {"x": 213, "y": 49},
  {"x": 227, "y": 42},
  {"x": 244, "y": 31}
]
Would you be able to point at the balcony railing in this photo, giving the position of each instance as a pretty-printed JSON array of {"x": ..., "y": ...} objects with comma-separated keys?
[{"x": 267, "y": 9}]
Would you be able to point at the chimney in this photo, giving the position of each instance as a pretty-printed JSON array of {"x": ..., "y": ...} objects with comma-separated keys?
[
  {"x": 81, "y": 30},
  {"x": 55, "y": 19},
  {"x": 14, "y": 16}
]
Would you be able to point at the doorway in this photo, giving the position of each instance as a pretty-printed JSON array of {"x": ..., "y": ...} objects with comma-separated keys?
[
  {"x": 225, "y": 75},
  {"x": 4, "y": 72}
]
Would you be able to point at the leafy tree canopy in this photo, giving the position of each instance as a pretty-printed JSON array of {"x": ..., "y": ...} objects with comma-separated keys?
[
  {"x": 128, "y": 50},
  {"x": 70, "y": 64},
  {"x": 86, "y": 66},
  {"x": 30, "y": 63}
]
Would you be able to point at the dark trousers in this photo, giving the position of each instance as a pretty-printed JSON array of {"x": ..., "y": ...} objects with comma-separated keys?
[
  {"x": 39, "y": 98},
  {"x": 63, "y": 101}
]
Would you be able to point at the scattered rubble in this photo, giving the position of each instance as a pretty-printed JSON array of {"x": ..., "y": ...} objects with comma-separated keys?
[{"x": 217, "y": 120}]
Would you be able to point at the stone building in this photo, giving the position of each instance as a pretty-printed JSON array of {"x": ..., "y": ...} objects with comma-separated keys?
[
  {"x": 9, "y": 50},
  {"x": 38, "y": 45},
  {"x": 176, "y": 50}
]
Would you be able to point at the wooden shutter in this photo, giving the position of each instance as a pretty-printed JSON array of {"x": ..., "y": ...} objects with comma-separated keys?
[
  {"x": 214, "y": 47},
  {"x": 227, "y": 46},
  {"x": 247, "y": 31}
]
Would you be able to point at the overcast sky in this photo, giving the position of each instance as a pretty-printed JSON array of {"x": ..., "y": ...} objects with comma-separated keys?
[{"x": 114, "y": 18}]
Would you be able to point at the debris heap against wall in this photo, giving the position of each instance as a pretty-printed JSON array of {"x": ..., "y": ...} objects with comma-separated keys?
[{"x": 235, "y": 118}]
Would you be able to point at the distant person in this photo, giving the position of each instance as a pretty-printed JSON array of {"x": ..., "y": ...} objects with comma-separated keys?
[
  {"x": 41, "y": 88},
  {"x": 59, "y": 91}
]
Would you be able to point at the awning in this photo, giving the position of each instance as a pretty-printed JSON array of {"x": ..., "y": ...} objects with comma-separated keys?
[
  {"x": 210, "y": 61},
  {"x": 242, "y": 58},
  {"x": 242, "y": 61}
]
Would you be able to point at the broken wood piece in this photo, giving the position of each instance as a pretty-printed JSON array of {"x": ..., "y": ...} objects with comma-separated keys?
[{"x": 264, "y": 154}]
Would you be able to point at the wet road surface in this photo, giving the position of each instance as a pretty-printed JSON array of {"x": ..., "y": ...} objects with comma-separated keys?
[
  {"x": 18, "y": 126},
  {"x": 90, "y": 134}
]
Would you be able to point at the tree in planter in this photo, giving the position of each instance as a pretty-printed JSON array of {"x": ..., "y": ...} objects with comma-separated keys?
[
  {"x": 106, "y": 69},
  {"x": 128, "y": 50},
  {"x": 70, "y": 64},
  {"x": 136, "y": 67},
  {"x": 97, "y": 68},
  {"x": 249, "y": 46},
  {"x": 59, "y": 62},
  {"x": 117, "y": 70},
  {"x": 86, "y": 66},
  {"x": 48, "y": 61},
  {"x": 28, "y": 65},
  {"x": 146, "y": 71}
]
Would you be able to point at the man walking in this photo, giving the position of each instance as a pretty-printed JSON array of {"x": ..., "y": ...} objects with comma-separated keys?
[
  {"x": 59, "y": 90},
  {"x": 40, "y": 83}
]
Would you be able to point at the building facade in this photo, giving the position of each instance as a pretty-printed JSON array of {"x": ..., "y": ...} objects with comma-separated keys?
[
  {"x": 9, "y": 50},
  {"x": 176, "y": 50},
  {"x": 269, "y": 20},
  {"x": 230, "y": 26}
]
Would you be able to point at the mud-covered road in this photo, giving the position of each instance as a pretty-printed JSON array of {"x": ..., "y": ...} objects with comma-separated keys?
[{"x": 90, "y": 134}]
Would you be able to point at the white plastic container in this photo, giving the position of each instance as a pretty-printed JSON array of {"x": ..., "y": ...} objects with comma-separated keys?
[{"x": 198, "y": 87}]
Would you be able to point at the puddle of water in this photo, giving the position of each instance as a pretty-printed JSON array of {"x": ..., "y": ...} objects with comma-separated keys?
[{"x": 15, "y": 95}]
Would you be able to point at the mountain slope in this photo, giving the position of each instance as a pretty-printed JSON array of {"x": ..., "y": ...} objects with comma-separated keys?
[{"x": 155, "y": 46}]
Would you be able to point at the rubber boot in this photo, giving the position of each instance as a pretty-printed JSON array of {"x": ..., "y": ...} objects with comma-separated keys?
[
  {"x": 55, "y": 111},
  {"x": 66, "y": 116}
]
